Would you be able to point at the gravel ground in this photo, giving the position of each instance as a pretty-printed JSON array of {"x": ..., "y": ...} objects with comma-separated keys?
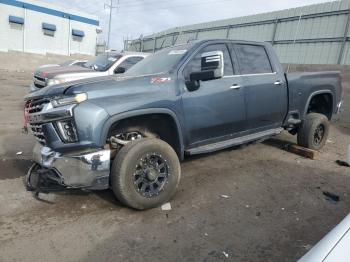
[{"x": 273, "y": 209}]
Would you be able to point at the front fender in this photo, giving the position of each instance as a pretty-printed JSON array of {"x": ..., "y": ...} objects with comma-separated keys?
[{"x": 115, "y": 118}]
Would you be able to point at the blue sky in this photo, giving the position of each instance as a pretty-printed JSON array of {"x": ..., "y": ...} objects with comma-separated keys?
[{"x": 136, "y": 17}]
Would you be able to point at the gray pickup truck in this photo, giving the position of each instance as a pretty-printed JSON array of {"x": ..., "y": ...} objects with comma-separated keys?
[{"x": 130, "y": 132}]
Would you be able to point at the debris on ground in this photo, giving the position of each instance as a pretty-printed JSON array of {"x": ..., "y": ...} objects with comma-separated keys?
[
  {"x": 225, "y": 254},
  {"x": 302, "y": 151},
  {"x": 224, "y": 196},
  {"x": 331, "y": 197},
  {"x": 330, "y": 141},
  {"x": 342, "y": 163},
  {"x": 206, "y": 234},
  {"x": 166, "y": 207},
  {"x": 19, "y": 153},
  {"x": 83, "y": 206}
]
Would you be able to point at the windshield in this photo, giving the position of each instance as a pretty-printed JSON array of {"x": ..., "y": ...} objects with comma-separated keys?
[
  {"x": 160, "y": 62},
  {"x": 103, "y": 62}
]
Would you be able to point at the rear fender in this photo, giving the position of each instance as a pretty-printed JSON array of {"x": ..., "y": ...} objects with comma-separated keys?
[{"x": 319, "y": 92}]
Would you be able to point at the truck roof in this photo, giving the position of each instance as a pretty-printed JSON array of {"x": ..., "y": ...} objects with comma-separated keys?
[
  {"x": 128, "y": 53},
  {"x": 231, "y": 40}
]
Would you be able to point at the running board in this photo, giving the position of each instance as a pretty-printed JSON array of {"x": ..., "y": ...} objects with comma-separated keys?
[{"x": 233, "y": 142}]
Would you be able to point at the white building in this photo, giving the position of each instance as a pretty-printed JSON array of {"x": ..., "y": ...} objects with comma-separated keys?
[{"x": 34, "y": 27}]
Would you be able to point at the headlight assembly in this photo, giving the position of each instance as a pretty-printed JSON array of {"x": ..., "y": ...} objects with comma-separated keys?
[
  {"x": 68, "y": 100},
  {"x": 54, "y": 81}
]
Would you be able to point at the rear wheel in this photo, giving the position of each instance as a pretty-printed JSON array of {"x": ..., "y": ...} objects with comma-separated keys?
[
  {"x": 314, "y": 131},
  {"x": 145, "y": 173}
]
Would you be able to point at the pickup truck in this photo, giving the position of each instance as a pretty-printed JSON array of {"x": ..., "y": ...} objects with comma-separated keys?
[
  {"x": 65, "y": 63},
  {"x": 108, "y": 63},
  {"x": 130, "y": 132}
]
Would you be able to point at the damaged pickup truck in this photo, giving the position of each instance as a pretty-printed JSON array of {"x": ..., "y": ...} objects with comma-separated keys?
[{"x": 129, "y": 133}]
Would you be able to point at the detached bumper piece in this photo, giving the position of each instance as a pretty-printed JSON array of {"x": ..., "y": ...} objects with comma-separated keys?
[{"x": 54, "y": 171}]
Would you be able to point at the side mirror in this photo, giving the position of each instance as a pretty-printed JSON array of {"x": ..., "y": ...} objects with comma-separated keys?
[
  {"x": 119, "y": 70},
  {"x": 192, "y": 85},
  {"x": 212, "y": 67}
]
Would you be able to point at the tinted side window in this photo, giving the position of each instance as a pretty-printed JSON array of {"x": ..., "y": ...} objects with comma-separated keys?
[
  {"x": 253, "y": 59},
  {"x": 194, "y": 65},
  {"x": 129, "y": 62}
]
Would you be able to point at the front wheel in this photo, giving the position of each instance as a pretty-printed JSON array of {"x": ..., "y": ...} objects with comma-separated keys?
[
  {"x": 314, "y": 131},
  {"x": 145, "y": 173}
]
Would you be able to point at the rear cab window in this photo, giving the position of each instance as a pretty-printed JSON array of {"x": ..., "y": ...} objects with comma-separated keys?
[{"x": 252, "y": 59}]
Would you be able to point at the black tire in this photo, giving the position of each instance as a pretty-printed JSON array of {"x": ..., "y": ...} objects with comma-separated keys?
[
  {"x": 310, "y": 130},
  {"x": 123, "y": 173}
]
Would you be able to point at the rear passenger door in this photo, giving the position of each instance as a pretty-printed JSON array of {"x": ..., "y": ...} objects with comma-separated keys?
[{"x": 265, "y": 90}]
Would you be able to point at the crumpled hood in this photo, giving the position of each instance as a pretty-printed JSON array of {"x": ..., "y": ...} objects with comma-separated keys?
[{"x": 51, "y": 72}]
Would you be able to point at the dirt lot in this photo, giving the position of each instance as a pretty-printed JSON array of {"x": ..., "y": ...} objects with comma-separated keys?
[{"x": 275, "y": 210}]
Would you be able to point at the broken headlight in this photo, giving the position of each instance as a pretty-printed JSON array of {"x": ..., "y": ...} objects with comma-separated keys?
[
  {"x": 67, "y": 131},
  {"x": 68, "y": 100}
]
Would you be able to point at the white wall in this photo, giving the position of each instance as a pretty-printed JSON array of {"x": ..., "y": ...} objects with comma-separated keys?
[
  {"x": 11, "y": 36},
  {"x": 87, "y": 45}
]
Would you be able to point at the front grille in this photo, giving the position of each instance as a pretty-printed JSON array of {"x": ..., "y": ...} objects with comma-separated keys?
[
  {"x": 33, "y": 107},
  {"x": 38, "y": 85},
  {"x": 39, "y": 82},
  {"x": 40, "y": 78},
  {"x": 37, "y": 131},
  {"x": 36, "y": 105}
]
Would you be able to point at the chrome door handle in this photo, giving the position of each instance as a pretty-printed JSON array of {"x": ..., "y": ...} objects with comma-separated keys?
[
  {"x": 235, "y": 86},
  {"x": 278, "y": 83}
]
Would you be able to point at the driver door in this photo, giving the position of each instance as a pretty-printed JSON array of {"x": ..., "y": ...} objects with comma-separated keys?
[{"x": 216, "y": 110}]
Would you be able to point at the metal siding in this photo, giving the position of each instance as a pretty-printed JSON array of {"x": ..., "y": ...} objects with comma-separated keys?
[
  {"x": 317, "y": 41},
  {"x": 212, "y": 34},
  {"x": 346, "y": 57}
]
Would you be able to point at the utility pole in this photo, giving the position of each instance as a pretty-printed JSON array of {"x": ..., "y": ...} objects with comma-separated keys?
[{"x": 111, "y": 7}]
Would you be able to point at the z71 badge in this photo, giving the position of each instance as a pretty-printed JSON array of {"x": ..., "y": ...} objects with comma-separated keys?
[{"x": 160, "y": 80}]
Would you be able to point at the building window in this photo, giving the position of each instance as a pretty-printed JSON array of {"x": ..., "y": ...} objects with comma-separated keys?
[
  {"x": 16, "y": 20},
  {"x": 79, "y": 33},
  {"x": 49, "y": 29}
]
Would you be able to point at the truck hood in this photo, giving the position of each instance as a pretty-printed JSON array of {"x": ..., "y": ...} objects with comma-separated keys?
[
  {"x": 51, "y": 72},
  {"x": 102, "y": 86}
]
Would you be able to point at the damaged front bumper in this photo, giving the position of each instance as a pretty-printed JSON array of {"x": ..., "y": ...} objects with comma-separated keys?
[{"x": 85, "y": 170}]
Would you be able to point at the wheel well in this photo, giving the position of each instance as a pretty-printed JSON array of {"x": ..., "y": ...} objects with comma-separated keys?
[
  {"x": 322, "y": 104},
  {"x": 163, "y": 125}
]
